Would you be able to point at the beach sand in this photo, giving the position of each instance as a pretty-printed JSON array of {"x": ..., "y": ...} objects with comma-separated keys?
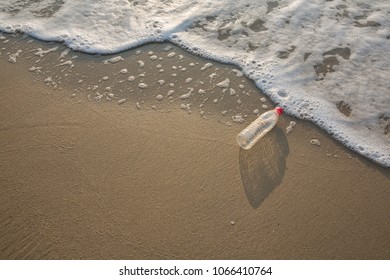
[{"x": 83, "y": 177}]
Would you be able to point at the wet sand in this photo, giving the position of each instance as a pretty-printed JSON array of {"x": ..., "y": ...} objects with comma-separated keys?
[{"x": 83, "y": 177}]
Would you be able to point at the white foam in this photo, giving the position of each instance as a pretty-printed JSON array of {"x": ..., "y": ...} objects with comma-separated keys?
[
  {"x": 142, "y": 85},
  {"x": 121, "y": 101},
  {"x": 42, "y": 53},
  {"x": 14, "y": 56},
  {"x": 141, "y": 64},
  {"x": 206, "y": 66},
  {"x": 188, "y": 94},
  {"x": 315, "y": 142},
  {"x": 232, "y": 91},
  {"x": 186, "y": 107},
  {"x": 34, "y": 68},
  {"x": 66, "y": 63},
  {"x": 212, "y": 76},
  {"x": 238, "y": 119},
  {"x": 238, "y": 73},
  {"x": 306, "y": 55},
  {"x": 290, "y": 127},
  {"x": 113, "y": 60},
  {"x": 63, "y": 54},
  {"x": 224, "y": 84}
]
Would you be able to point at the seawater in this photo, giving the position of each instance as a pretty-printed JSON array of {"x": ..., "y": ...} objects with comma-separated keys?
[{"x": 326, "y": 61}]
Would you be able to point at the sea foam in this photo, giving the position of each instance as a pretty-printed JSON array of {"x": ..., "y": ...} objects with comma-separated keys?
[{"x": 323, "y": 61}]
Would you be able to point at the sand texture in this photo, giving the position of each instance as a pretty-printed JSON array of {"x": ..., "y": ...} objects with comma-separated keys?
[{"x": 135, "y": 176}]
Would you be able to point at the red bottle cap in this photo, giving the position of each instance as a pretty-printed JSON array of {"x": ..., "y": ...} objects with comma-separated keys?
[{"x": 279, "y": 110}]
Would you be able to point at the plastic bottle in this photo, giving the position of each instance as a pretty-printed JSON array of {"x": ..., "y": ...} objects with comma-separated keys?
[{"x": 258, "y": 128}]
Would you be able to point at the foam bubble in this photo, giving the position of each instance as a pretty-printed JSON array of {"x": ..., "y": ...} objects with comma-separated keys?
[
  {"x": 186, "y": 107},
  {"x": 315, "y": 142},
  {"x": 113, "y": 60},
  {"x": 206, "y": 66},
  {"x": 188, "y": 94},
  {"x": 238, "y": 118},
  {"x": 12, "y": 57},
  {"x": 232, "y": 91},
  {"x": 142, "y": 85},
  {"x": 141, "y": 64},
  {"x": 41, "y": 53},
  {"x": 238, "y": 73}
]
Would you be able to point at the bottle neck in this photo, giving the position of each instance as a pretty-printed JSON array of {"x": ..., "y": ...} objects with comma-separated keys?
[{"x": 278, "y": 110}]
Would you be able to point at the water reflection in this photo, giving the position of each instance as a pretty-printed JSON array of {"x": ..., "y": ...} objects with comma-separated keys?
[{"x": 263, "y": 166}]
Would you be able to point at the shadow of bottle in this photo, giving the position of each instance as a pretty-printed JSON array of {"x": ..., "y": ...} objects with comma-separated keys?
[{"x": 263, "y": 166}]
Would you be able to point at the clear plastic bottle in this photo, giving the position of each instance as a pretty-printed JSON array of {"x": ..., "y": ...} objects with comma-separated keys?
[{"x": 258, "y": 128}]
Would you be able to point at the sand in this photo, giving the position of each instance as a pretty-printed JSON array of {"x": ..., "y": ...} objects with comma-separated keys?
[{"x": 131, "y": 175}]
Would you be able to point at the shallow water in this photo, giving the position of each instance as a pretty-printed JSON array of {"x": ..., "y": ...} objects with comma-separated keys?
[{"x": 324, "y": 61}]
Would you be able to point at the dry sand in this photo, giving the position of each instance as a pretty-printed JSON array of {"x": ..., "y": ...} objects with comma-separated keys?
[{"x": 82, "y": 179}]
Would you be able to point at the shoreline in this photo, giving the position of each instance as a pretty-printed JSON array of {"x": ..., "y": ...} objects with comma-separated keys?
[
  {"x": 84, "y": 179},
  {"x": 230, "y": 65}
]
